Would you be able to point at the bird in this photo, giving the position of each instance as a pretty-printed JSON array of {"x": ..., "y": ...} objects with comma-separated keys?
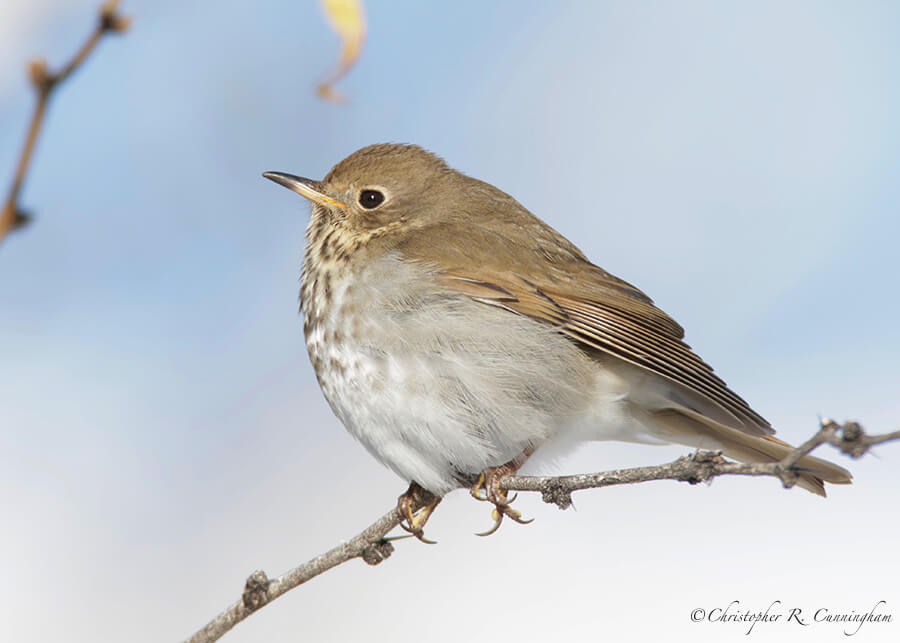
[{"x": 455, "y": 334}]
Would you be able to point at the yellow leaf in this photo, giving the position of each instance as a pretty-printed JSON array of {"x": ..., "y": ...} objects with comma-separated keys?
[{"x": 347, "y": 19}]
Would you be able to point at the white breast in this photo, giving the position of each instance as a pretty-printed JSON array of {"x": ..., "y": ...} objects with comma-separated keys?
[{"x": 435, "y": 385}]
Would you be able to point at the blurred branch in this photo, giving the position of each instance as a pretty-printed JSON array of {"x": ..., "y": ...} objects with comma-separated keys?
[
  {"x": 373, "y": 547},
  {"x": 44, "y": 82}
]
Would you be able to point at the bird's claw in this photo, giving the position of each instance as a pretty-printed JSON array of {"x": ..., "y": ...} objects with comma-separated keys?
[
  {"x": 487, "y": 489},
  {"x": 415, "y": 507}
]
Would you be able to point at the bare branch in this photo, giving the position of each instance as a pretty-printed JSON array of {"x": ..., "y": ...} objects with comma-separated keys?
[
  {"x": 373, "y": 547},
  {"x": 701, "y": 466},
  {"x": 44, "y": 82},
  {"x": 370, "y": 545}
]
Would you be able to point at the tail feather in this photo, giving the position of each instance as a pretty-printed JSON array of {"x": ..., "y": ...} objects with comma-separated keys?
[{"x": 688, "y": 427}]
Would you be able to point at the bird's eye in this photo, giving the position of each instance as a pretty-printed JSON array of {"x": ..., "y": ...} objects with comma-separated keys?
[{"x": 370, "y": 199}]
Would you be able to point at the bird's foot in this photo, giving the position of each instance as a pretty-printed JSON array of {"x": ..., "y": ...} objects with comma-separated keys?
[
  {"x": 487, "y": 489},
  {"x": 415, "y": 507}
]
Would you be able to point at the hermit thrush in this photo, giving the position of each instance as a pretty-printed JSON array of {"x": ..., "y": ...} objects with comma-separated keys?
[{"x": 454, "y": 333}]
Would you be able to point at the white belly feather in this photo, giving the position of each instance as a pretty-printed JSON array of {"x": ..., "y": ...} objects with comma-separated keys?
[{"x": 438, "y": 386}]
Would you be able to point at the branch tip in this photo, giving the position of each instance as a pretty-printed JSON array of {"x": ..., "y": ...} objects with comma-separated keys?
[
  {"x": 39, "y": 75},
  {"x": 44, "y": 83}
]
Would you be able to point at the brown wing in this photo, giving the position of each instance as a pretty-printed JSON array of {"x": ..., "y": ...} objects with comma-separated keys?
[{"x": 534, "y": 275}]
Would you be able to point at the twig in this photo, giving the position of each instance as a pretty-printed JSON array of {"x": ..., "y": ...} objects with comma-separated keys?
[
  {"x": 373, "y": 547},
  {"x": 44, "y": 82},
  {"x": 701, "y": 466},
  {"x": 370, "y": 545}
]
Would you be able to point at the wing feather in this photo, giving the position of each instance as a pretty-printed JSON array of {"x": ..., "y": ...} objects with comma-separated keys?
[
  {"x": 524, "y": 266},
  {"x": 615, "y": 323}
]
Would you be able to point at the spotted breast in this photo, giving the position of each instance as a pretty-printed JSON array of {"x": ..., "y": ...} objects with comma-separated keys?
[{"x": 434, "y": 384}]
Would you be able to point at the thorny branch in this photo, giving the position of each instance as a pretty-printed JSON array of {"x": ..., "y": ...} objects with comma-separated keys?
[
  {"x": 44, "y": 82},
  {"x": 373, "y": 546}
]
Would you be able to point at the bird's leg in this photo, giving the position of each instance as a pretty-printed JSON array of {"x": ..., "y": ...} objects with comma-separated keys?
[
  {"x": 487, "y": 489},
  {"x": 416, "y": 507}
]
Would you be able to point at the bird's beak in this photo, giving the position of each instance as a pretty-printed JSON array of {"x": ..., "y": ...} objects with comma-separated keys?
[{"x": 312, "y": 190}]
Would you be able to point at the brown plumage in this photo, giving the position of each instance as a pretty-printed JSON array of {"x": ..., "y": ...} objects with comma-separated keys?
[{"x": 470, "y": 242}]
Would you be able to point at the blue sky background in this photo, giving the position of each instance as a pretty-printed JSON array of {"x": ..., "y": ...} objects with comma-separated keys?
[{"x": 161, "y": 431}]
